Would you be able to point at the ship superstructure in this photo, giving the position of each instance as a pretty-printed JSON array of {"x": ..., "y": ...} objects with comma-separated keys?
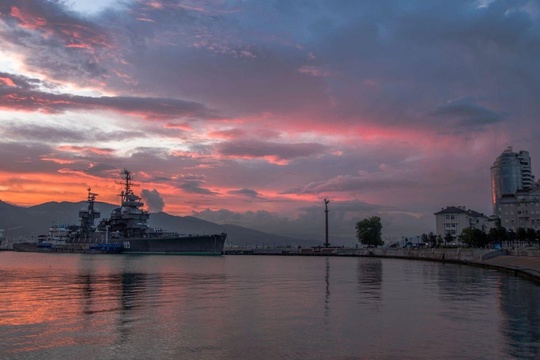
[{"x": 129, "y": 220}]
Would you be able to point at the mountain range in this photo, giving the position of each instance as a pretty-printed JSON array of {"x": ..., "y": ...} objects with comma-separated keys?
[{"x": 25, "y": 222}]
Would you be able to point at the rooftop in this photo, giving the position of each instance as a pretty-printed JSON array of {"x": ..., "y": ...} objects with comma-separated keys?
[{"x": 459, "y": 210}]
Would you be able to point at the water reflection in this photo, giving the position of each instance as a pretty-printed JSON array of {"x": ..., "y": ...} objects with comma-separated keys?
[
  {"x": 327, "y": 282},
  {"x": 370, "y": 278},
  {"x": 105, "y": 295},
  {"x": 521, "y": 319},
  {"x": 482, "y": 290},
  {"x": 262, "y": 307},
  {"x": 132, "y": 285},
  {"x": 462, "y": 283}
]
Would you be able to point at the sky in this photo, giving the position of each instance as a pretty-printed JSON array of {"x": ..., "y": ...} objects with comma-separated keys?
[{"x": 253, "y": 112}]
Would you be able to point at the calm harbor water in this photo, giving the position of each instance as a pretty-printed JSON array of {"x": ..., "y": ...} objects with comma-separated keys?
[{"x": 67, "y": 306}]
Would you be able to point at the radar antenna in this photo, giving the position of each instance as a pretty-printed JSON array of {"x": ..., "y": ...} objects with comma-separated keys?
[{"x": 128, "y": 183}]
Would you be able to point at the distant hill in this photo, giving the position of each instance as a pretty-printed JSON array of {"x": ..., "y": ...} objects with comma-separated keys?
[{"x": 24, "y": 222}]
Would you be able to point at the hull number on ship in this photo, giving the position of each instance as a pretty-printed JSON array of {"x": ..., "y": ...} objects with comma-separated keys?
[{"x": 126, "y": 244}]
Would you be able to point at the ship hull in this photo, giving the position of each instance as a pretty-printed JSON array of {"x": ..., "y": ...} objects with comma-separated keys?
[
  {"x": 183, "y": 245},
  {"x": 80, "y": 248}
]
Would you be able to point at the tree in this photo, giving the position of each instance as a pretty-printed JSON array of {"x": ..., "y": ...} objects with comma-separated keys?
[
  {"x": 369, "y": 231},
  {"x": 448, "y": 238},
  {"x": 521, "y": 234},
  {"x": 466, "y": 237},
  {"x": 497, "y": 234},
  {"x": 531, "y": 235},
  {"x": 473, "y": 237},
  {"x": 432, "y": 239}
]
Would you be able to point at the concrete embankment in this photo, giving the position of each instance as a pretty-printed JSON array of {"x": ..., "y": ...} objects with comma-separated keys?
[
  {"x": 454, "y": 254},
  {"x": 520, "y": 262},
  {"x": 526, "y": 266}
]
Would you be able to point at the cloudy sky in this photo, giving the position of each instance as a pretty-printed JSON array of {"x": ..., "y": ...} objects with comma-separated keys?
[{"x": 253, "y": 112}]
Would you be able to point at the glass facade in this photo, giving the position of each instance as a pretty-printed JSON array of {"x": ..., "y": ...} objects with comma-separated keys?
[{"x": 510, "y": 172}]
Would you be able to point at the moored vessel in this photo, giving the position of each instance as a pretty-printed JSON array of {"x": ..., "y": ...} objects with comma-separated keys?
[{"x": 125, "y": 231}]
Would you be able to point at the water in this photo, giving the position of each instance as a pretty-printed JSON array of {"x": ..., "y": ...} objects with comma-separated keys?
[{"x": 68, "y": 306}]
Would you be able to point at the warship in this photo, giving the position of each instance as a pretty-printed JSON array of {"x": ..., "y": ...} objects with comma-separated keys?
[{"x": 126, "y": 231}]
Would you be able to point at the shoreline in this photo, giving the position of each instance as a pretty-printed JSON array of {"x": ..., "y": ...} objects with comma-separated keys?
[
  {"x": 524, "y": 266},
  {"x": 521, "y": 263}
]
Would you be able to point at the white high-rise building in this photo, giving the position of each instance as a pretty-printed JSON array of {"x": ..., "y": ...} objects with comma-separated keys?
[{"x": 510, "y": 173}]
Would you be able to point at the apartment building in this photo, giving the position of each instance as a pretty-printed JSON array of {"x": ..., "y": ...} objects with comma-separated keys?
[
  {"x": 453, "y": 219},
  {"x": 521, "y": 209}
]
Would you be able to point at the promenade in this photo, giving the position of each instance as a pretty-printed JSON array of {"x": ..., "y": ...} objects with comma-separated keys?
[{"x": 528, "y": 266}]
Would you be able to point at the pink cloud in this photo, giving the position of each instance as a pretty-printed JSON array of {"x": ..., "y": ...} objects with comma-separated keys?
[
  {"x": 228, "y": 134},
  {"x": 277, "y": 153},
  {"x": 27, "y": 19},
  {"x": 87, "y": 149},
  {"x": 7, "y": 81}
]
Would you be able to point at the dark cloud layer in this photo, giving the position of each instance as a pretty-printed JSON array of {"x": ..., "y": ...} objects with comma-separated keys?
[
  {"x": 466, "y": 113},
  {"x": 23, "y": 96},
  {"x": 269, "y": 149},
  {"x": 244, "y": 192}
]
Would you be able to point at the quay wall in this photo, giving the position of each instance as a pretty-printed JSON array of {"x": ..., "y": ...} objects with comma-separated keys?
[
  {"x": 521, "y": 262},
  {"x": 445, "y": 254},
  {"x": 456, "y": 254}
]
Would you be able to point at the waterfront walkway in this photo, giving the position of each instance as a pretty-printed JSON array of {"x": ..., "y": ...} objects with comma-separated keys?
[{"x": 524, "y": 265}]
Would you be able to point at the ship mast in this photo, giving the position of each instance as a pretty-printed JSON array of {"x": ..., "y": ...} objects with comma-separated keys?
[
  {"x": 127, "y": 194},
  {"x": 89, "y": 214}
]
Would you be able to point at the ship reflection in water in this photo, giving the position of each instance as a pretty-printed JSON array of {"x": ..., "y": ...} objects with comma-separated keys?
[{"x": 259, "y": 307}]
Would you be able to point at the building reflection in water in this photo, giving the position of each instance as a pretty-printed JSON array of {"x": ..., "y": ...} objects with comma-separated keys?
[
  {"x": 484, "y": 289},
  {"x": 460, "y": 282},
  {"x": 520, "y": 319}
]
